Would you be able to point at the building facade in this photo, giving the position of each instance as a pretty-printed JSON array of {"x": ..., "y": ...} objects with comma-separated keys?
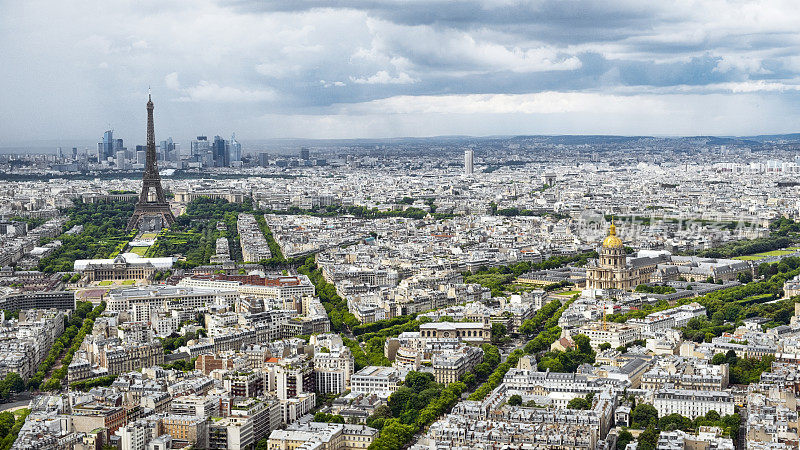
[{"x": 611, "y": 270}]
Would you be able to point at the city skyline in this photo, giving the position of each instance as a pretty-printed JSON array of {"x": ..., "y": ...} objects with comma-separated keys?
[
  {"x": 427, "y": 69},
  {"x": 400, "y": 225}
]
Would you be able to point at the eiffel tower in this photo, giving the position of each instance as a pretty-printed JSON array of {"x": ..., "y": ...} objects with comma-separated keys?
[{"x": 152, "y": 211}]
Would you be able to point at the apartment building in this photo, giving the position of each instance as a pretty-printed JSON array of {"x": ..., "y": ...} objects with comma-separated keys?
[{"x": 382, "y": 381}]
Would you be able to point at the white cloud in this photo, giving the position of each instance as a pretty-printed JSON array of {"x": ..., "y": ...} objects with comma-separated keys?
[
  {"x": 539, "y": 103},
  {"x": 328, "y": 84},
  {"x": 171, "y": 81},
  {"x": 214, "y": 93},
  {"x": 729, "y": 87},
  {"x": 429, "y": 48},
  {"x": 383, "y": 77},
  {"x": 752, "y": 86},
  {"x": 557, "y": 112},
  {"x": 276, "y": 70}
]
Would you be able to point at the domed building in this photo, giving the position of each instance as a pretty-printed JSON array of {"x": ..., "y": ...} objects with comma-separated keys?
[{"x": 612, "y": 271}]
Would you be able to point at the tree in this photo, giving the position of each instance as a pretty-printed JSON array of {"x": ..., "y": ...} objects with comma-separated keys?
[
  {"x": 379, "y": 416},
  {"x": 712, "y": 415},
  {"x": 515, "y": 400},
  {"x": 578, "y": 403},
  {"x": 498, "y": 332},
  {"x": 718, "y": 359},
  {"x": 745, "y": 277},
  {"x": 469, "y": 379},
  {"x": 419, "y": 381},
  {"x": 625, "y": 437},
  {"x": 674, "y": 422},
  {"x": 14, "y": 382},
  {"x": 6, "y": 422},
  {"x": 605, "y": 346},
  {"x": 399, "y": 399},
  {"x": 382, "y": 411},
  {"x": 733, "y": 421},
  {"x": 648, "y": 440},
  {"x": 644, "y": 415},
  {"x": 582, "y": 343},
  {"x": 330, "y": 418}
]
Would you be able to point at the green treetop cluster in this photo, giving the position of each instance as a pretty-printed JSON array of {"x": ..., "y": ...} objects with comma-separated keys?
[{"x": 103, "y": 233}]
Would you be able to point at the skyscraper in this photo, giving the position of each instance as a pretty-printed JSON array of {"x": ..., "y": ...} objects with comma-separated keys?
[
  {"x": 199, "y": 146},
  {"x": 219, "y": 152},
  {"x": 469, "y": 157},
  {"x": 105, "y": 148},
  {"x": 234, "y": 150},
  {"x": 167, "y": 147},
  {"x": 119, "y": 159},
  {"x": 201, "y": 152},
  {"x": 305, "y": 155}
]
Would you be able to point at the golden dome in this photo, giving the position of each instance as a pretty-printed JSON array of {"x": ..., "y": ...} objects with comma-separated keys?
[{"x": 612, "y": 241}]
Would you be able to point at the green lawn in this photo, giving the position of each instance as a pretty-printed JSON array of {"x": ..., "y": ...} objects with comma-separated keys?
[
  {"x": 128, "y": 282},
  {"x": 569, "y": 293},
  {"x": 763, "y": 255},
  {"x": 514, "y": 287},
  {"x": 148, "y": 236},
  {"x": 760, "y": 298},
  {"x": 106, "y": 283},
  {"x": 794, "y": 248},
  {"x": 776, "y": 253},
  {"x": 139, "y": 250}
]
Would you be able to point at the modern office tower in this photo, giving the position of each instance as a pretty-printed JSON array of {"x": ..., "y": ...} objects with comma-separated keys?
[
  {"x": 105, "y": 148},
  {"x": 234, "y": 150},
  {"x": 152, "y": 211},
  {"x": 305, "y": 155},
  {"x": 74, "y": 153},
  {"x": 200, "y": 147},
  {"x": 167, "y": 147},
  {"x": 469, "y": 157},
  {"x": 263, "y": 159},
  {"x": 119, "y": 159},
  {"x": 220, "y": 153},
  {"x": 141, "y": 157},
  {"x": 59, "y": 153}
]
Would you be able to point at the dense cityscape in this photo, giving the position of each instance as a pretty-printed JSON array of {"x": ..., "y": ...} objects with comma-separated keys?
[
  {"x": 520, "y": 292},
  {"x": 400, "y": 225}
]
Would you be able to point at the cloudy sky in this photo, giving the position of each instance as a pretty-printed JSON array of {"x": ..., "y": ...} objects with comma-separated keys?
[{"x": 388, "y": 68}]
